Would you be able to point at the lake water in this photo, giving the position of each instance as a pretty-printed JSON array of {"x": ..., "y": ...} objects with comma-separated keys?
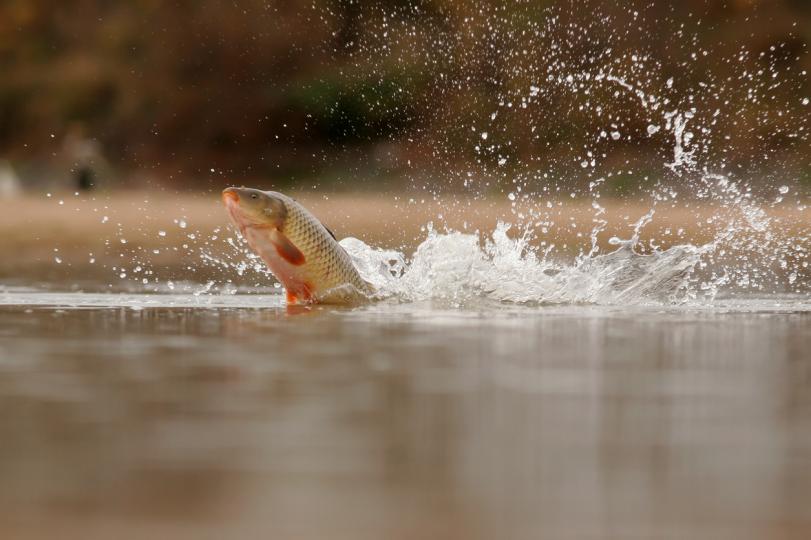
[{"x": 231, "y": 416}]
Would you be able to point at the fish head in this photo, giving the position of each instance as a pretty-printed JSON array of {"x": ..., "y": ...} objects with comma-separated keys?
[{"x": 254, "y": 208}]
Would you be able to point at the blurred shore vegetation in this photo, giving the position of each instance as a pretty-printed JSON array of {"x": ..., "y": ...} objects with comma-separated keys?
[{"x": 189, "y": 92}]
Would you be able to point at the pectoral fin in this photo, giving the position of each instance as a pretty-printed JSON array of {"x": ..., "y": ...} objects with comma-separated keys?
[{"x": 286, "y": 249}]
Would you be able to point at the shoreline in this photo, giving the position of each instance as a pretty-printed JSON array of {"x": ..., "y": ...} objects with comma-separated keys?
[{"x": 112, "y": 229}]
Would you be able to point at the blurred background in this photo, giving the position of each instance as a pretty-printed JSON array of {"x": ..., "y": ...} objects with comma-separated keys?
[{"x": 378, "y": 94}]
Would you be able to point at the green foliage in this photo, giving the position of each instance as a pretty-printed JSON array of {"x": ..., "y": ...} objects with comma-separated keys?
[{"x": 349, "y": 109}]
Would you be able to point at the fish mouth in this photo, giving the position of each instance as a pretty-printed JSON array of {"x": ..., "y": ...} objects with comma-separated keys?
[{"x": 230, "y": 196}]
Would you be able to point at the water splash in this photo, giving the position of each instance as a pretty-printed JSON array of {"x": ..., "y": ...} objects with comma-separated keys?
[
  {"x": 621, "y": 117},
  {"x": 459, "y": 267}
]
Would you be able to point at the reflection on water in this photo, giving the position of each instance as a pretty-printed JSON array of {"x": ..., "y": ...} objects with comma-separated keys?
[{"x": 177, "y": 420}]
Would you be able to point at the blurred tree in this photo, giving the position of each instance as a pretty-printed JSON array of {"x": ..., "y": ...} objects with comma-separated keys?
[{"x": 258, "y": 87}]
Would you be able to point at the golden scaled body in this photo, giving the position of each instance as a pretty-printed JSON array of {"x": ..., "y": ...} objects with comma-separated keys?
[{"x": 302, "y": 253}]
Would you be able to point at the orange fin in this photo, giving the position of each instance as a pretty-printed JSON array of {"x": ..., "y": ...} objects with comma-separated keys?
[
  {"x": 303, "y": 295},
  {"x": 286, "y": 249}
]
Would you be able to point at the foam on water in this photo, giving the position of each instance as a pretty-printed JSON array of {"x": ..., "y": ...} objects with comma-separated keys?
[
  {"x": 459, "y": 267},
  {"x": 749, "y": 254},
  {"x": 746, "y": 257}
]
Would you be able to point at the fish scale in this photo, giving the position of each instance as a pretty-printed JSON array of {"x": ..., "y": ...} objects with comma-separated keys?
[{"x": 327, "y": 264}]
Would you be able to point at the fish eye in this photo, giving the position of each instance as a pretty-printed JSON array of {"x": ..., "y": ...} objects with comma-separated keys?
[{"x": 254, "y": 196}]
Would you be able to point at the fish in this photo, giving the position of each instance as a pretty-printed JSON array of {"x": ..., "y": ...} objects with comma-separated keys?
[{"x": 297, "y": 248}]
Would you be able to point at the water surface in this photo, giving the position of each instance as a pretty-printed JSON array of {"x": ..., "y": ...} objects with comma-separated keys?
[{"x": 182, "y": 416}]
